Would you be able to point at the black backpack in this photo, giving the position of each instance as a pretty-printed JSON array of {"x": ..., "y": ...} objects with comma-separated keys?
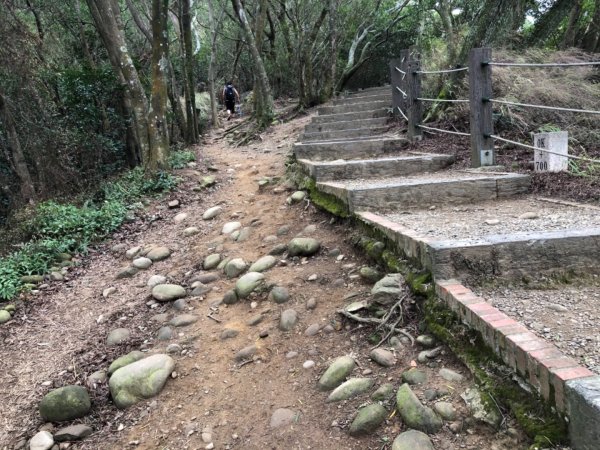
[{"x": 229, "y": 93}]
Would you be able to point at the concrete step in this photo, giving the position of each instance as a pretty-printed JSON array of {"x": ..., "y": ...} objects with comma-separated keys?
[
  {"x": 349, "y": 149},
  {"x": 408, "y": 164},
  {"x": 344, "y": 117},
  {"x": 369, "y": 91},
  {"x": 468, "y": 244},
  {"x": 342, "y": 134},
  {"x": 346, "y": 125},
  {"x": 363, "y": 98},
  {"x": 355, "y": 107},
  {"x": 423, "y": 191}
]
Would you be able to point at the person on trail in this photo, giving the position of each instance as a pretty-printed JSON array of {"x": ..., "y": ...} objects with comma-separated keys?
[{"x": 230, "y": 96}]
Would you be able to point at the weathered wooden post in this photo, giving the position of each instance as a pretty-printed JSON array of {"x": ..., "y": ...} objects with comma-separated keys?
[
  {"x": 413, "y": 92},
  {"x": 480, "y": 93},
  {"x": 395, "y": 81}
]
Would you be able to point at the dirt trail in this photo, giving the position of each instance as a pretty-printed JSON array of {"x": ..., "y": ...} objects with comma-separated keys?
[{"x": 58, "y": 338}]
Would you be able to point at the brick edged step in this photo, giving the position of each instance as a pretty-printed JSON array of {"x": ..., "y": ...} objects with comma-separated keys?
[
  {"x": 397, "y": 166},
  {"x": 360, "y": 115},
  {"x": 355, "y": 107},
  {"x": 425, "y": 190},
  {"x": 345, "y": 125},
  {"x": 353, "y": 149},
  {"x": 362, "y": 98},
  {"x": 342, "y": 134}
]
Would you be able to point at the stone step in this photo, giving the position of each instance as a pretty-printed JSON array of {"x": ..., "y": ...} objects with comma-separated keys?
[
  {"x": 407, "y": 164},
  {"x": 355, "y": 107},
  {"x": 346, "y": 125},
  {"x": 349, "y": 149},
  {"x": 369, "y": 91},
  {"x": 426, "y": 190},
  {"x": 468, "y": 244},
  {"x": 359, "y": 115},
  {"x": 362, "y": 98},
  {"x": 342, "y": 134}
]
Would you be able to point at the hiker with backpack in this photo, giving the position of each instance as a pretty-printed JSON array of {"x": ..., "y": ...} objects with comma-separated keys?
[{"x": 230, "y": 95}]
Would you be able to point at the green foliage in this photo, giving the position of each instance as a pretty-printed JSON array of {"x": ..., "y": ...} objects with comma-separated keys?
[
  {"x": 179, "y": 159},
  {"x": 58, "y": 228}
]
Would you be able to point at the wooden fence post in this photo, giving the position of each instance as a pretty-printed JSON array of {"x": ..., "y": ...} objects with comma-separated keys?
[
  {"x": 413, "y": 92},
  {"x": 480, "y": 92},
  {"x": 396, "y": 81}
]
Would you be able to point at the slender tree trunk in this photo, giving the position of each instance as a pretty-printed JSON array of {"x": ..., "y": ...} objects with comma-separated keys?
[
  {"x": 15, "y": 154},
  {"x": 265, "y": 115},
  {"x": 188, "y": 65},
  {"x": 211, "y": 65},
  {"x": 547, "y": 24},
  {"x": 107, "y": 18},
  {"x": 572, "y": 25},
  {"x": 333, "y": 55},
  {"x": 591, "y": 39},
  {"x": 176, "y": 104},
  {"x": 157, "y": 115}
]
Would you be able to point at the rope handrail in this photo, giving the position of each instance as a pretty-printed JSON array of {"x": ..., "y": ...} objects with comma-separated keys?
[
  {"x": 399, "y": 70},
  {"x": 555, "y": 108},
  {"x": 443, "y": 100},
  {"x": 533, "y": 65},
  {"x": 429, "y": 72},
  {"x": 402, "y": 112},
  {"x": 401, "y": 91},
  {"x": 458, "y": 133},
  {"x": 508, "y": 141}
]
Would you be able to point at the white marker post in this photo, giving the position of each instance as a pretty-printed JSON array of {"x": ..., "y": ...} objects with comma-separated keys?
[{"x": 556, "y": 142}]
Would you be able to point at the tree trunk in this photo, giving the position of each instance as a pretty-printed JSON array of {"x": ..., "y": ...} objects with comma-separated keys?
[
  {"x": 309, "y": 97},
  {"x": 157, "y": 115},
  {"x": 176, "y": 104},
  {"x": 264, "y": 116},
  {"x": 547, "y": 24},
  {"x": 107, "y": 18},
  {"x": 188, "y": 66},
  {"x": 211, "y": 65},
  {"x": 333, "y": 49},
  {"x": 15, "y": 155},
  {"x": 591, "y": 39},
  {"x": 572, "y": 25}
]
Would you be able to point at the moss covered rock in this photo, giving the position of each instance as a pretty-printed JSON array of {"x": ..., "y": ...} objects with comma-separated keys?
[
  {"x": 336, "y": 373},
  {"x": 414, "y": 413},
  {"x": 368, "y": 419},
  {"x": 65, "y": 403}
]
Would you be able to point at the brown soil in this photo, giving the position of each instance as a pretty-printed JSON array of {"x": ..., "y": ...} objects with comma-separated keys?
[{"x": 58, "y": 334}]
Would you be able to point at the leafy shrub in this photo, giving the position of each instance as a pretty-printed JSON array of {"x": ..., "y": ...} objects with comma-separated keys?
[{"x": 179, "y": 159}]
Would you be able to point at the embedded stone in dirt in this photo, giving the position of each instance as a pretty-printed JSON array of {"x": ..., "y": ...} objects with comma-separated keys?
[
  {"x": 414, "y": 376},
  {"x": 207, "y": 181},
  {"x": 142, "y": 263},
  {"x": 118, "y": 336},
  {"x": 368, "y": 419},
  {"x": 160, "y": 318},
  {"x": 223, "y": 263},
  {"x": 124, "y": 360},
  {"x": 126, "y": 272},
  {"x": 73, "y": 433},
  {"x": 4, "y": 316},
  {"x": 426, "y": 340},
  {"x": 529, "y": 216},
  {"x": 282, "y": 417},
  {"x": 255, "y": 320},
  {"x": 412, "y": 440},
  {"x": 191, "y": 231},
  {"x": 288, "y": 320},
  {"x": 96, "y": 378},
  {"x": 235, "y": 267},
  {"x": 211, "y": 213},
  {"x": 370, "y": 274},
  {"x": 270, "y": 239},
  {"x": 263, "y": 264},
  {"x": 311, "y": 303},
  {"x": 249, "y": 283},
  {"x": 206, "y": 278},
  {"x": 336, "y": 373},
  {"x": 279, "y": 294},
  {"x": 164, "y": 334},
  {"x": 168, "y": 292},
  {"x": 279, "y": 249},
  {"x": 384, "y": 392},
  {"x": 297, "y": 196},
  {"x": 350, "y": 388},
  {"x": 173, "y": 348},
  {"x": 140, "y": 380},
  {"x": 488, "y": 414},
  {"x": 133, "y": 252},
  {"x": 451, "y": 375},
  {"x": 445, "y": 410},
  {"x": 200, "y": 289},
  {"x": 414, "y": 413},
  {"x": 230, "y": 227},
  {"x": 180, "y": 217},
  {"x": 65, "y": 403},
  {"x": 108, "y": 292},
  {"x": 308, "y": 364},
  {"x": 309, "y": 229},
  {"x": 246, "y": 353},
  {"x": 283, "y": 230},
  {"x": 173, "y": 204},
  {"x": 229, "y": 333},
  {"x": 230, "y": 297},
  {"x": 180, "y": 304},
  {"x": 155, "y": 280},
  {"x": 211, "y": 261},
  {"x": 383, "y": 357},
  {"x": 244, "y": 234},
  {"x": 303, "y": 247},
  {"x": 41, "y": 441},
  {"x": 492, "y": 222},
  {"x": 312, "y": 330},
  {"x": 388, "y": 290},
  {"x": 183, "y": 320},
  {"x": 158, "y": 254}
]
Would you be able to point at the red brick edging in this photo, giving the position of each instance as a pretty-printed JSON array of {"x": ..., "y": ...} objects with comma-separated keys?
[{"x": 538, "y": 361}]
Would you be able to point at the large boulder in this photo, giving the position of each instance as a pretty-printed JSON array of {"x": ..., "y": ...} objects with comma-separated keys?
[
  {"x": 65, "y": 403},
  {"x": 140, "y": 380},
  {"x": 414, "y": 413},
  {"x": 303, "y": 247}
]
